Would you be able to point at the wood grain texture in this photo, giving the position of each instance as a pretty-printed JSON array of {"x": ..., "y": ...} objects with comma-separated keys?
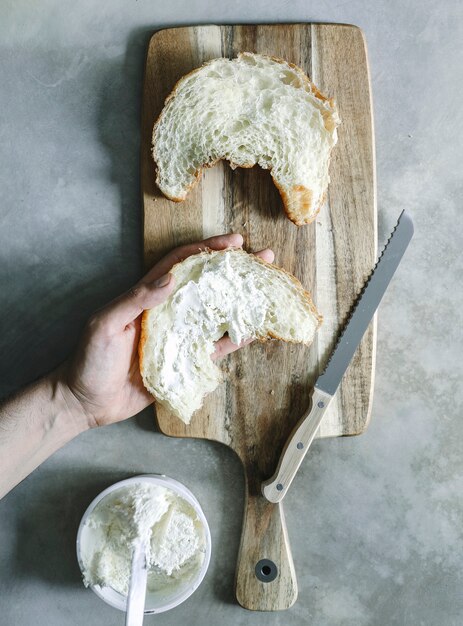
[{"x": 268, "y": 386}]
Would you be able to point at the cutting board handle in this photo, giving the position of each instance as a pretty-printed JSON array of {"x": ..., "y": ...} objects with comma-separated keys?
[{"x": 265, "y": 575}]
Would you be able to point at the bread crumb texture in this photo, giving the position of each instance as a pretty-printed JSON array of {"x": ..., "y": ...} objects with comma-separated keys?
[{"x": 250, "y": 110}]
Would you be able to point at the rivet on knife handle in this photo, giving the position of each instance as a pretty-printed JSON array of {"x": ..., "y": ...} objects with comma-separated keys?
[
  {"x": 362, "y": 313},
  {"x": 296, "y": 447}
]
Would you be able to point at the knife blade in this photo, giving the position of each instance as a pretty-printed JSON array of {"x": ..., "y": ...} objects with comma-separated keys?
[{"x": 327, "y": 383}]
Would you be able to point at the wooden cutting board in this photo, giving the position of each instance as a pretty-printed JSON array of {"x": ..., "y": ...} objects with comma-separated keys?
[{"x": 268, "y": 385}]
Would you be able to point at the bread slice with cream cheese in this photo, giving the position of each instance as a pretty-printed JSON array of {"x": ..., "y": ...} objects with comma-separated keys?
[
  {"x": 252, "y": 109},
  {"x": 217, "y": 292}
]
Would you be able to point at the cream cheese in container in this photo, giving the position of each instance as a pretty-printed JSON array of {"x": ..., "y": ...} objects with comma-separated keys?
[{"x": 179, "y": 544}]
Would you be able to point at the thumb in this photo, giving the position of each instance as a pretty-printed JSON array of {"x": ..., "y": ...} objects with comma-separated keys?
[{"x": 144, "y": 295}]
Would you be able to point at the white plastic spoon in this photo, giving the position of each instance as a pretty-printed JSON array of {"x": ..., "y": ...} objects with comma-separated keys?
[{"x": 137, "y": 589}]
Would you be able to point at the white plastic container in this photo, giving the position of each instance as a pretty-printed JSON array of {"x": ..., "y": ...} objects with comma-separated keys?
[{"x": 155, "y": 603}]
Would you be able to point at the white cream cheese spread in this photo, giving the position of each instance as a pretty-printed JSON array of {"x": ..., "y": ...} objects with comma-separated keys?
[
  {"x": 168, "y": 524},
  {"x": 221, "y": 299}
]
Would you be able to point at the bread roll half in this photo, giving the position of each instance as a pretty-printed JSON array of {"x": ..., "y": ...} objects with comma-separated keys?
[
  {"x": 215, "y": 293},
  {"x": 252, "y": 109}
]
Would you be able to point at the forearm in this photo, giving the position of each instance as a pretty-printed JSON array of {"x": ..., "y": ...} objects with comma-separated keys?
[{"x": 33, "y": 424}]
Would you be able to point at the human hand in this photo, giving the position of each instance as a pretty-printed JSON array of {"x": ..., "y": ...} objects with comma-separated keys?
[{"x": 103, "y": 379}]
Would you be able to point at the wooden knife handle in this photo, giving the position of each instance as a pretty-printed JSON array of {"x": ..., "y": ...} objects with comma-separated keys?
[
  {"x": 265, "y": 575},
  {"x": 296, "y": 448}
]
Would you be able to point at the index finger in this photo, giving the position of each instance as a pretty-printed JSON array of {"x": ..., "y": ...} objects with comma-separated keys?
[{"x": 219, "y": 242}]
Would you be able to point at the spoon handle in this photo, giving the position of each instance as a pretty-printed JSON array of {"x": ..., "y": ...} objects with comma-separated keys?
[{"x": 137, "y": 589}]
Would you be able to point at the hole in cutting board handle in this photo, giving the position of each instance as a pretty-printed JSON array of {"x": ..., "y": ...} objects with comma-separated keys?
[{"x": 266, "y": 570}]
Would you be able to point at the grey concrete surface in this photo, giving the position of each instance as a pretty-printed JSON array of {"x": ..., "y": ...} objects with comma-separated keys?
[{"x": 375, "y": 522}]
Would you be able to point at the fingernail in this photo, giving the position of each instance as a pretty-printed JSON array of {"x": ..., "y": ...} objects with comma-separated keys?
[{"x": 163, "y": 281}]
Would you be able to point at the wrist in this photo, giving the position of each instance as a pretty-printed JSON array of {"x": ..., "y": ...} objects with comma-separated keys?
[{"x": 67, "y": 405}]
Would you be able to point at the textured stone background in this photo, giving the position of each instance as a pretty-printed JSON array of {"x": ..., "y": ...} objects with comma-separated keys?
[{"x": 375, "y": 522}]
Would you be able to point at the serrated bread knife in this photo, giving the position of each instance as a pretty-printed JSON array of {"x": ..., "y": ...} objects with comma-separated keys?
[{"x": 362, "y": 313}]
